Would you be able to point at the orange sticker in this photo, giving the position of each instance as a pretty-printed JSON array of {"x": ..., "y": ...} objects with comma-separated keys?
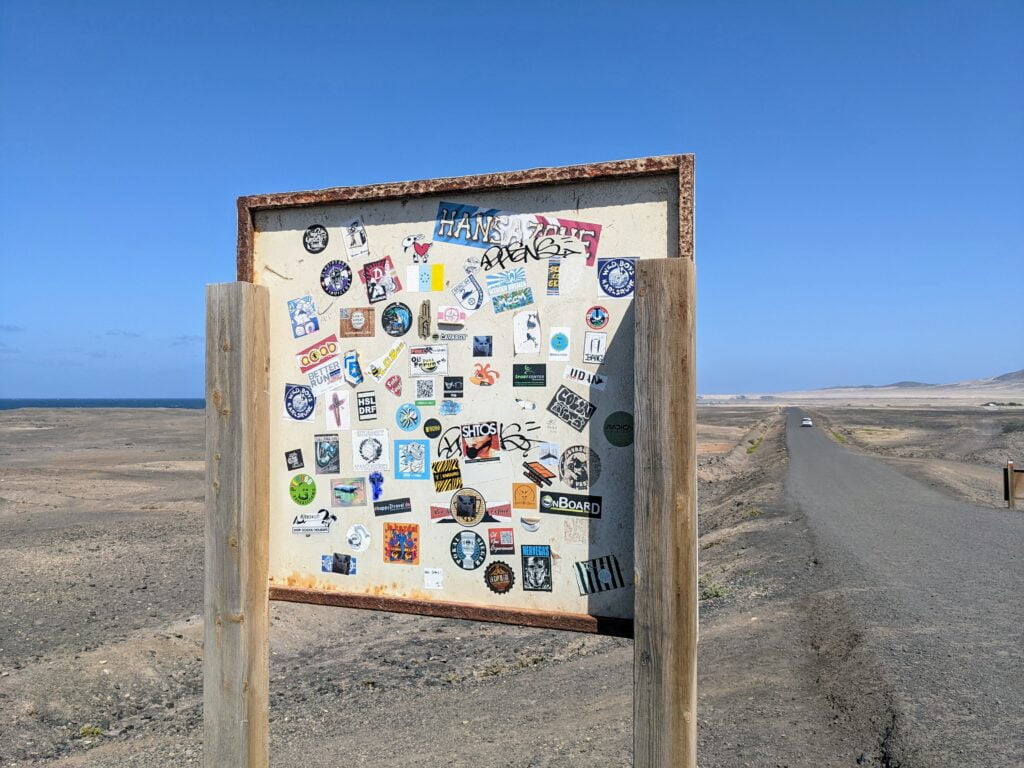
[
  {"x": 402, "y": 543},
  {"x": 524, "y": 496}
]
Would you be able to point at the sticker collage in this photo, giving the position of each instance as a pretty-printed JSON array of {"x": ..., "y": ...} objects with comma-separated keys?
[{"x": 458, "y": 414}]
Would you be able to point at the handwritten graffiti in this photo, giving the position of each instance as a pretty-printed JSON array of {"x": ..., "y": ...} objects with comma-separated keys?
[
  {"x": 449, "y": 445},
  {"x": 590, "y": 234},
  {"x": 513, "y": 439},
  {"x": 540, "y": 248}
]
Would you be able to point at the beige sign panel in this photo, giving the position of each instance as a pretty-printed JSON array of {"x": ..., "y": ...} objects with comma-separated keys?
[{"x": 451, "y": 389}]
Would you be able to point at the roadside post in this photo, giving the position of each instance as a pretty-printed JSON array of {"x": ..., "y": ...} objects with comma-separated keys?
[
  {"x": 468, "y": 398},
  {"x": 236, "y": 672},
  {"x": 665, "y": 622},
  {"x": 1013, "y": 485}
]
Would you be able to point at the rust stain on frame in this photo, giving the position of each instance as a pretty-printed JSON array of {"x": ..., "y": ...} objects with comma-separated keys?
[
  {"x": 682, "y": 165},
  {"x": 521, "y": 617}
]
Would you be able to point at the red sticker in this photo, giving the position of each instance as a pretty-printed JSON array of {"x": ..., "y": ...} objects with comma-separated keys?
[
  {"x": 501, "y": 541},
  {"x": 318, "y": 354},
  {"x": 394, "y": 385}
]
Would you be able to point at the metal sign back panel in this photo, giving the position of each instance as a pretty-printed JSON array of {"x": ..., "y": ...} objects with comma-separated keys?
[{"x": 451, "y": 388}]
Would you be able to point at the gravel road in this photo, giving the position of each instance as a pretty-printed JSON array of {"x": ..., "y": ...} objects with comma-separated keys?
[{"x": 929, "y": 591}]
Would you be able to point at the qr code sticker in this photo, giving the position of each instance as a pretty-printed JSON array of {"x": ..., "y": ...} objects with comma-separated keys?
[{"x": 424, "y": 388}]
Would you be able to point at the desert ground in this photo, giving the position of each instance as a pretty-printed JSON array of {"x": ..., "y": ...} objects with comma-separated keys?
[{"x": 101, "y": 524}]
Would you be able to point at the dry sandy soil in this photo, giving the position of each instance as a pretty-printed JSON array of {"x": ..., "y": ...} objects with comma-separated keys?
[{"x": 100, "y": 626}]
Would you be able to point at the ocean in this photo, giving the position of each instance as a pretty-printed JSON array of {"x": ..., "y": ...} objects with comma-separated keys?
[{"x": 134, "y": 402}]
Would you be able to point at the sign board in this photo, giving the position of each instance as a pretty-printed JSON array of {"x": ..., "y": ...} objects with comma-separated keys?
[
  {"x": 471, "y": 398},
  {"x": 451, "y": 388}
]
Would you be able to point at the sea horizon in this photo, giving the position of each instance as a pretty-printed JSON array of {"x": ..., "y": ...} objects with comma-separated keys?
[{"x": 8, "y": 404}]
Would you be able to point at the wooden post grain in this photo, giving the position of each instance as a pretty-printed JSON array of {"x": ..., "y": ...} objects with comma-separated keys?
[
  {"x": 1011, "y": 485},
  {"x": 235, "y": 648},
  {"x": 665, "y": 548}
]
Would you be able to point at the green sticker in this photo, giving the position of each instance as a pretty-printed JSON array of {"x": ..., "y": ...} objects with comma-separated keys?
[
  {"x": 618, "y": 429},
  {"x": 302, "y": 489}
]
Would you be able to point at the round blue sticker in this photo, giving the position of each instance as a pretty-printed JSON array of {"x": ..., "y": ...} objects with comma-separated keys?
[
  {"x": 597, "y": 317},
  {"x": 468, "y": 550},
  {"x": 299, "y": 401},
  {"x": 336, "y": 278},
  {"x": 408, "y": 417},
  {"x": 396, "y": 319},
  {"x": 616, "y": 277},
  {"x": 559, "y": 342}
]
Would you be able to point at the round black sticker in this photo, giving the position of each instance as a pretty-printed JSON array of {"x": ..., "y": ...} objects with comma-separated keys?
[
  {"x": 579, "y": 467},
  {"x": 618, "y": 429},
  {"x": 315, "y": 238},
  {"x": 432, "y": 428},
  {"x": 396, "y": 319},
  {"x": 468, "y": 550},
  {"x": 499, "y": 577},
  {"x": 336, "y": 278}
]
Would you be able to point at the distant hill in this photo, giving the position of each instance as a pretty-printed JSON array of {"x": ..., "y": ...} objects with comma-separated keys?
[
  {"x": 1006, "y": 387},
  {"x": 1017, "y": 377},
  {"x": 883, "y": 386}
]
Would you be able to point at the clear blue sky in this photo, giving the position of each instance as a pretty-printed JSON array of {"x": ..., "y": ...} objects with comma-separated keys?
[{"x": 860, "y": 165}]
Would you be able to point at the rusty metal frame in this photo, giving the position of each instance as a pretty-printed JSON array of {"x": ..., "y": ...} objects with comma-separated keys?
[
  {"x": 681, "y": 166},
  {"x": 664, "y": 165}
]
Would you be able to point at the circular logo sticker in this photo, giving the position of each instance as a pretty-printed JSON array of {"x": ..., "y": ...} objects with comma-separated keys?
[
  {"x": 396, "y": 319},
  {"x": 336, "y": 278},
  {"x": 302, "y": 489},
  {"x": 299, "y": 401},
  {"x": 432, "y": 428},
  {"x": 315, "y": 238},
  {"x": 468, "y": 550},
  {"x": 358, "y": 538},
  {"x": 616, "y": 276},
  {"x": 408, "y": 417},
  {"x": 618, "y": 429},
  {"x": 597, "y": 317},
  {"x": 499, "y": 577},
  {"x": 579, "y": 467},
  {"x": 467, "y": 507},
  {"x": 559, "y": 342},
  {"x": 370, "y": 450}
]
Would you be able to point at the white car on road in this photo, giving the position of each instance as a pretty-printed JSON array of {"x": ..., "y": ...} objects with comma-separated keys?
[{"x": 806, "y": 422}]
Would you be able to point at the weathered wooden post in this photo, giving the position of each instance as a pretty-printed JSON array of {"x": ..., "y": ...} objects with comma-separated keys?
[
  {"x": 1011, "y": 486},
  {"x": 665, "y": 549},
  {"x": 235, "y": 648}
]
